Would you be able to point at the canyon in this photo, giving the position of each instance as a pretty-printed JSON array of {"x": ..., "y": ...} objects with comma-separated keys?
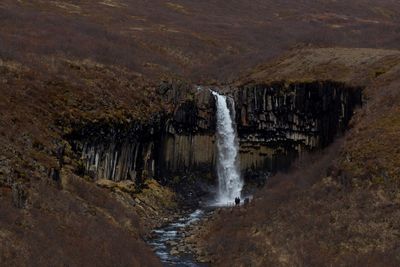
[
  {"x": 136, "y": 171},
  {"x": 112, "y": 142},
  {"x": 276, "y": 123}
]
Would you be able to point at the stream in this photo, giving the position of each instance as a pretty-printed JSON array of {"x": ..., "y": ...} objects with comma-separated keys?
[{"x": 173, "y": 233}]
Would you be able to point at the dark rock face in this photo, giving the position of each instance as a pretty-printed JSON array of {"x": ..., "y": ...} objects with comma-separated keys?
[
  {"x": 119, "y": 151},
  {"x": 19, "y": 195},
  {"x": 275, "y": 123},
  {"x": 188, "y": 141}
]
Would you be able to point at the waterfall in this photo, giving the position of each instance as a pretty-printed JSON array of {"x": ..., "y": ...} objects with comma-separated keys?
[{"x": 229, "y": 181}]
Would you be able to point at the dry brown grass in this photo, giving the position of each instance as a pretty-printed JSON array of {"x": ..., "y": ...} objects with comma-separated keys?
[
  {"x": 81, "y": 224},
  {"x": 300, "y": 219},
  {"x": 339, "y": 207},
  {"x": 197, "y": 39},
  {"x": 69, "y": 61}
]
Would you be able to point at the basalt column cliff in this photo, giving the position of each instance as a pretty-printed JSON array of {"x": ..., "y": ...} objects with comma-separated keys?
[{"x": 276, "y": 122}]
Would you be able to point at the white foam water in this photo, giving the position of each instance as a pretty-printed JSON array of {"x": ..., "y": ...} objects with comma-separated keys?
[
  {"x": 230, "y": 183},
  {"x": 173, "y": 232}
]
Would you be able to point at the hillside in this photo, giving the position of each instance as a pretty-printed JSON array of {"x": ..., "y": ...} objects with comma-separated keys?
[
  {"x": 197, "y": 39},
  {"x": 80, "y": 79},
  {"x": 339, "y": 206}
]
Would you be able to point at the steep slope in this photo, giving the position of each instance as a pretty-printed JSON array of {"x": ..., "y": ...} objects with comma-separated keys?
[
  {"x": 68, "y": 63},
  {"x": 337, "y": 207},
  {"x": 49, "y": 215}
]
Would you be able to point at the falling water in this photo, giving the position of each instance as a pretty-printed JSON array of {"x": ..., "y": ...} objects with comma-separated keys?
[{"x": 229, "y": 181}]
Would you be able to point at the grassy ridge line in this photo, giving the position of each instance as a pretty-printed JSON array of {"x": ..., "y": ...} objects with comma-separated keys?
[{"x": 200, "y": 39}]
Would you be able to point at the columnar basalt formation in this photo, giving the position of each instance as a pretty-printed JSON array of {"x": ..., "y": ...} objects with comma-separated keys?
[
  {"x": 276, "y": 122},
  {"x": 117, "y": 151},
  {"x": 188, "y": 141}
]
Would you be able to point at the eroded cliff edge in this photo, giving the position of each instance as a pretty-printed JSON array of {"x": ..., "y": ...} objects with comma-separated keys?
[{"x": 276, "y": 123}]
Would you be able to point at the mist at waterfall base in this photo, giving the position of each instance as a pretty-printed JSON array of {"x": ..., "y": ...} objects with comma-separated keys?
[{"x": 230, "y": 183}]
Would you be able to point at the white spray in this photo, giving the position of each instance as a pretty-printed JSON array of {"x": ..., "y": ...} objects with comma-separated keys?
[{"x": 230, "y": 183}]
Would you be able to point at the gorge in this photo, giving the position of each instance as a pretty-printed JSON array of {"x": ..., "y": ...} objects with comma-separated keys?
[
  {"x": 275, "y": 123},
  {"x": 195, "y": 148},
  {"x": 128, "y": 128}
]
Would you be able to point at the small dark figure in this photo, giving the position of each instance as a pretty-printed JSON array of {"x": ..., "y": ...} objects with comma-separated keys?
[
  {"x": 246, "y": 201},
  {"x": 237, "y": 201}
]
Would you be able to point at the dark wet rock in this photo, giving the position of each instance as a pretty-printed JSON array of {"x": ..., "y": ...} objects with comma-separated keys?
[
  {"x": 19, "y": 195},
  {"x": 54, "y": 174}
]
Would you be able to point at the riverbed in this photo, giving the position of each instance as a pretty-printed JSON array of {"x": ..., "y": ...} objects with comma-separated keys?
[{"x": 172, "y": 233}]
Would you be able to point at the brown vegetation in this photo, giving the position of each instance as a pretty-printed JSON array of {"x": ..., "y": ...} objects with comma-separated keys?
[
  {"x": 338, "y": 207},
  {"x": 199, "y": 39},
  {"x": 63, "y": 62},
  {"x": 40, "y": 224},
  {"x": 300, "y": 219}
]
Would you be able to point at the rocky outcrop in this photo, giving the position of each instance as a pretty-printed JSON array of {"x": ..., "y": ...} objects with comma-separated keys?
[
  {"x": 188, "y": 141},
  {"x": 19, "y": 195},
  {"x": 117, "y": 151},
  {"x": 275, "y": 122}
]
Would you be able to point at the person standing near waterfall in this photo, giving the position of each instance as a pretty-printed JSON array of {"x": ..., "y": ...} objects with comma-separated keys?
[{"x": 237, "y": 201}]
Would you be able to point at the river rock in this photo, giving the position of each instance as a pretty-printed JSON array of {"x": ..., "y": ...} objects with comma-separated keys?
[
  {"x": 172, "y": 243},
  {"x": 106, "y": 183},
  {"x": 174, "y": 252},
  {"x": 182, "y": 249}
]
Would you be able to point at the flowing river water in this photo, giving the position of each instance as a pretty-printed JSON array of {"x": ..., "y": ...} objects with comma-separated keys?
[{"x": 173, "y": 232}]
